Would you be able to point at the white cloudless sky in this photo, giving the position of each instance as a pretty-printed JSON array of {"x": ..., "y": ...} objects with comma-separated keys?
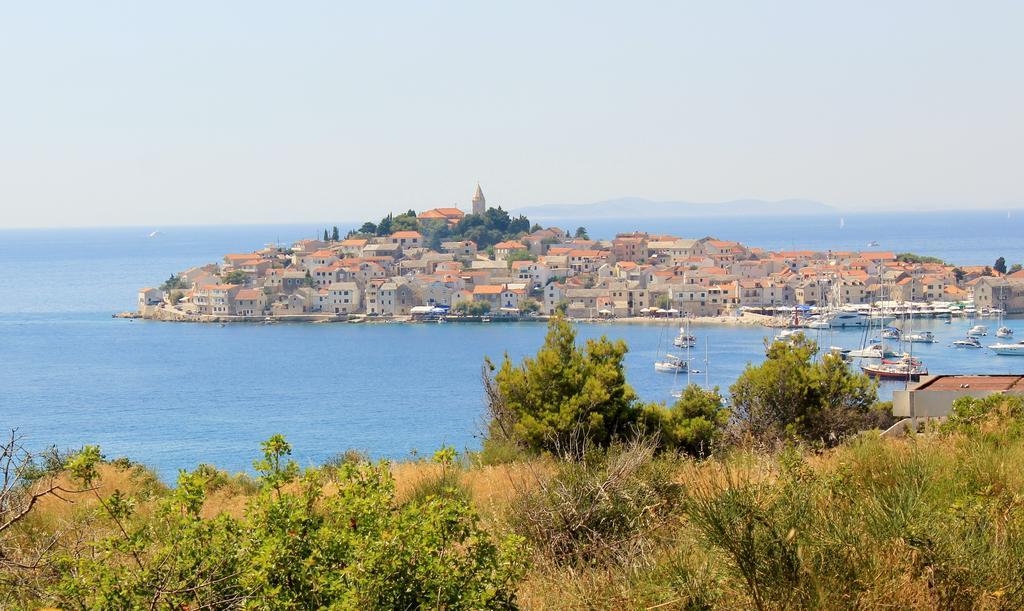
[{"x": 158, "y": 113}]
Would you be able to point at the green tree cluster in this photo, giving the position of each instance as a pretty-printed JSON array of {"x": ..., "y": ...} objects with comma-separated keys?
[
  {"x": 567, "y": 398},
  {"x": 493, "y": 226},
  {"x": 790, "y": 395},
  {"x": 300, "y": 545},
  {"x": 694, "y": 424},
  {"x": 235, "y": 277},
  {"x": 909, "y": 257},
  {"x": 472, "y": 308},
  {"x": 174, "y": 282}
]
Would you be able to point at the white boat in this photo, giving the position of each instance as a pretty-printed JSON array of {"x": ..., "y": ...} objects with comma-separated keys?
[
  {"x": 1004, "y": 332},
  {"x": 924, "y": 337},
  {"x": 873, "y": 351},
  {"x": 891, "y": 333},
  {"x": 967, "y": 342},
  {"x": 977, "y": 331},
  {"x": 684, "y": 339},
  {"x": 840, "y": 320},
  {"x": 670, "y": 364},
  {"x": 906, "y": 368},
  {"x": 1016, "y": 349},
  {"x": 843, "y": 353}
]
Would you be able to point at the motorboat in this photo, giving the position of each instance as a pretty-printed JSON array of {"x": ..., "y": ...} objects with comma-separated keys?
[
  {"x": 924, "y": 337},
  {"x": 891, "y": 333},
  {"x": 843, "y": 353},
  {"x": 839, "y": 320},
  {"x": 1016, "y": 349},
  {"x": 787, "y": 335},
  {"x": 670, "y": 364},
  {"x": 873, "y": 351},
  {"x": 906, "y": 368},
  {"x": 1004, "y": 332},
  {"x": 977, "y": 331},
  {"x": 967, "y": 342}
]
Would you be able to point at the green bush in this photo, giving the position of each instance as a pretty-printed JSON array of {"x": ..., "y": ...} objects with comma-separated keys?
[
  {"x": 693, "y": 424},
  {"x": 297, "y": 547}
]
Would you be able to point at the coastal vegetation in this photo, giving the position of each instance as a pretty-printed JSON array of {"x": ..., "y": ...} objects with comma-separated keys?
[
  {"x": 583, "y": 497},
  {"x": 493, "y": 226}
]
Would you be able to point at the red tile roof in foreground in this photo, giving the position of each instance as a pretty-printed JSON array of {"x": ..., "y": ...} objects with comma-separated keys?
[{"x": 975, "y": 382}]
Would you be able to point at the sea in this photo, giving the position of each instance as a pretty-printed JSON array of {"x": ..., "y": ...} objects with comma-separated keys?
[{"x": 174, "y": 395}]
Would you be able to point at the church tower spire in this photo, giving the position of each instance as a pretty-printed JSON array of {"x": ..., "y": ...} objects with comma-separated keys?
[{"x": 479, "y": 203}]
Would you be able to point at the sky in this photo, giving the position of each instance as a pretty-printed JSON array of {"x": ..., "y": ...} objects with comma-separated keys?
[{"x": 170, "y": 113}]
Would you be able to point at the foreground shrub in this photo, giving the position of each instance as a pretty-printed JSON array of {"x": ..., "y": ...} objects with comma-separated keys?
[
  {"x": 603, "y": 507},
  {"x": 300, "y": 545}
]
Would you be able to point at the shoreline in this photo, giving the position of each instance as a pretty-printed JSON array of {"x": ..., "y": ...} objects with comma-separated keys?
[{"x": 171, "y": 315}]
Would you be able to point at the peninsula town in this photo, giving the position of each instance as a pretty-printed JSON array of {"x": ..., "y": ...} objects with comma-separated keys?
[{"x": 446, "y": 263}]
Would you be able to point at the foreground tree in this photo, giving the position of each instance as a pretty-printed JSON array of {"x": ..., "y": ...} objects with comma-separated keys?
[
  {"x": 547, "y": 401},
  {"x": 790, "y": 395}
]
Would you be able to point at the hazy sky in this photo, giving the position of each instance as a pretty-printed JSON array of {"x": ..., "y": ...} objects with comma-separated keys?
[{"x": 159, "y": 113}]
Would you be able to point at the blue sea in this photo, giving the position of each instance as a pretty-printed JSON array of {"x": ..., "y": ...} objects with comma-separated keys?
[{"x": 174, "y": 395}]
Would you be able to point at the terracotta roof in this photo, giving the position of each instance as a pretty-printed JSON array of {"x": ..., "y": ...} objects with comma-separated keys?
[
  {"x": 488, "y": 289},
  {"x": 407, "y": 234}
]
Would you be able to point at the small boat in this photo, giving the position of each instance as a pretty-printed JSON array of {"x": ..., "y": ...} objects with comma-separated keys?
[
  {"x": 906, "y": 368},
  {"x": 1004, "y": 332},
  {"x": 684, "y": 339},
  {"x": 843, "y": 353},
  {"x": 967, "y": 342},
  {"x": 485, "y": 319},
  {"x": 872, "y": 244},
  {"x": 977, "y": 331},
  {"x": 873, "y": 351},
  {"x": 671, "y": 364},
  {"x": 155, "y": 234},
  {"x": 839, "y": 320},
  {"x": 787, "y": 335},
  {"x": 924, "y": 337},
  {"x": 891, "y": 333},
  {"x": 1016, "y": 349}
]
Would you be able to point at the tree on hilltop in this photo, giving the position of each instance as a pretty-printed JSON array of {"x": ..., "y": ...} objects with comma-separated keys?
[{"x": 1000, "y": 265}]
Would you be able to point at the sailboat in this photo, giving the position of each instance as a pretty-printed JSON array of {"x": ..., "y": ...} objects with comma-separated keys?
[
  {"x": 684, "y": 339},
  {"x": 670, "y": 363},
  {"x": 842, "y": 222},
  {"x": 1003, "y": 330}
]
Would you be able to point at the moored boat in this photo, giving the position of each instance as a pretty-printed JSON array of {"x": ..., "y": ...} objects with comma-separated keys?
[
  {"x": 967, "y": 342},
  {"x": 670, "y": 364},
  {"x": 978, "y": 331},
  {"x": 1015, "y": 349},
  {"x": 906, "y": 368},
  {"x": 924, "y": 337}
]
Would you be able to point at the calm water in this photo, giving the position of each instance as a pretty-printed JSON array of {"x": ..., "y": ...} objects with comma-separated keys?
[{"x": 172, "y": 395}]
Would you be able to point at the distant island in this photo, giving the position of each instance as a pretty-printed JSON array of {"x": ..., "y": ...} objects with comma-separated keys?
[{"x": 446, "y": 264}]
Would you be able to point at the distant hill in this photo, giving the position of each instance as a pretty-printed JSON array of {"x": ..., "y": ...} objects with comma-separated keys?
[{"x": 644, "y": 208}]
